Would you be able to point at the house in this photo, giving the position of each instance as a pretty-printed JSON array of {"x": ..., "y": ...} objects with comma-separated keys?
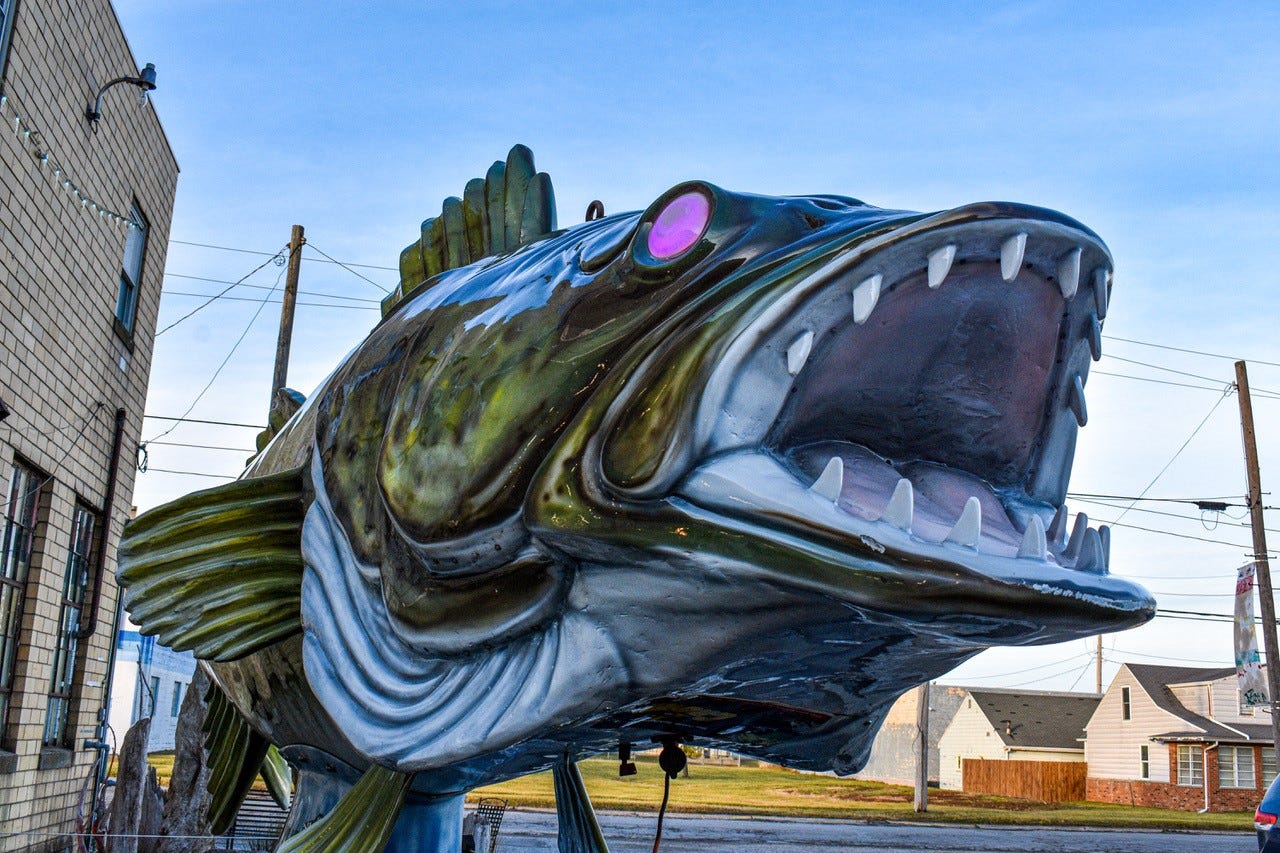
[
  {"x": 1014, "y": 725},
  {"x": 149, "y": 680},
  {"x": 1178, "y": 737},
  {"x": 895, "y": 748},
  {"x": 84, "y": 226}
]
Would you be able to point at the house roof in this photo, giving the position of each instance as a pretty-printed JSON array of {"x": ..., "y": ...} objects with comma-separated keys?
[
  {"x": 1037, "y": 720},
  {"x": 1155, "y": 682}
]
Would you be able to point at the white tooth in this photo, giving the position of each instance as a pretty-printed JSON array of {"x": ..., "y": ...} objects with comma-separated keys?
[
  {"x": 969, "y": 526},
  {"x": 1069, "y": 272},
  {"x": 901, "y": 508},
  {"x": 940, "y": 264},
  {"x": 798, "y": 352},
  {"x": 1104, "y": 534},
  {"x": 1033, "y": 545},
  {"x": 1072, "y": 551},
  {"x": 1058, "y": 527},
  {"x": 865, "y": 297},
  {"x": 1076, "y": 401},
  {"x": 830, "y": 481},
  {"x": 1011, "y": 252},
  {"x": 1100, "y": 291}
]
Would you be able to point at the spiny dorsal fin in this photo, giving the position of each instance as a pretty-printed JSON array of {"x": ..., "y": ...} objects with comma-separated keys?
[
  {"x": 219, "y": 572},
  {"x": 284, "y": 405},
  {"x": 234, "y": 753},
  {"x": 510, "y": 206}
]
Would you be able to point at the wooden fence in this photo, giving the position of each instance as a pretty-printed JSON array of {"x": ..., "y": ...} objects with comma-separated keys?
[{"x": 1046, "y": 781}]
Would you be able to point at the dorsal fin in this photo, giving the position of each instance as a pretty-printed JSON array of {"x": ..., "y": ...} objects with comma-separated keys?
[{"x": 510, "y": 206}]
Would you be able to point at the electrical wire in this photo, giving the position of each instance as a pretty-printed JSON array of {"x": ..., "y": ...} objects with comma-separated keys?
[
  {"x": 1191, "y": 351},
  {"x": 1030, "y": 668},
  {"x": 190, "y": 473},
  {"x": 202, "y": 446},
  {"x": 256, "y": 252},
  {"x": 224, "y": 292},
  {"x": 1232, "y": 522},
  {"x": 220, "y": 367},
  {"x": 89, "y": 418},
  {"x": 299, "y": 303},
  {"x": 662, "y": 809},
  {"x": 187, "y": 420},
  {"x": 331, "y": 259},
  {"x": 1161, "y": 500},
  {"x": 302, "y": 291},
  {"x": 1245, "y": 548},
  {"x": 1156, "y": 381}
]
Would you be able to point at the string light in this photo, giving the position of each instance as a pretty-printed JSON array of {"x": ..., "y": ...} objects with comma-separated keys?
[{"x": 30, "y": 135}]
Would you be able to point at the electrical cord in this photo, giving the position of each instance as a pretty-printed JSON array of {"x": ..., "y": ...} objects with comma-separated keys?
[{"x": 662, "y": 809}]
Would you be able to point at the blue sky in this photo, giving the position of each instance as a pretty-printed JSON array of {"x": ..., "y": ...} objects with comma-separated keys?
[{"x": 1154, "y": 124}]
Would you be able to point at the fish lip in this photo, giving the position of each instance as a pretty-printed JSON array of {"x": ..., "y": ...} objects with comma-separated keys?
[{"x": 1049, "y": 238}]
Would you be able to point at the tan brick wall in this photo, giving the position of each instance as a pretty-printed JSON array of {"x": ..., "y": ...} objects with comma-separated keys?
[{"x": 59, "y": 355}]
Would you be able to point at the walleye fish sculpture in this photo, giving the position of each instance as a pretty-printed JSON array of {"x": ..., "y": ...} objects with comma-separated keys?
[{"x": 736, "y": 470}]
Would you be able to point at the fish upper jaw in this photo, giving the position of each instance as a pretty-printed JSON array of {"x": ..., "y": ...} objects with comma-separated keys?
[{"x": 920, "y": 393}]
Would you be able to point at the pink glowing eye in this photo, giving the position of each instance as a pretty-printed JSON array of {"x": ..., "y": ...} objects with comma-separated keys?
[{"x": 679, "y": 225}]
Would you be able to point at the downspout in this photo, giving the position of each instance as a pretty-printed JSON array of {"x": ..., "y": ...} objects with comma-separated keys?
[
  {"x": 108, "y": 502},
  {"x": 1204, "y": 769}
]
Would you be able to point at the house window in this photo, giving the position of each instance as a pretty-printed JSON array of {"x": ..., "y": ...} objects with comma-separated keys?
[
  {"x": 6, "y": 29},
  {"x": 21, "y": 529},
  {"x": 1235, "y": 767},
  {"x": 1144, "y": 771},
  {"x": 155, "y": 695},
  {"x": 176, "y": 704},
  {"x": 84, "y": 524},
  {"x": 1190, "y": 764},
  {"x": 1125, "y": 708},
  {"x": 135, "y": 248},
  {"x": 1268, "y": 766}
]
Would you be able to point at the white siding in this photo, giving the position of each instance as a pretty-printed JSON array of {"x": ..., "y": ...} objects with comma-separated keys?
[
  {"x": 1045, "y": 754},
  {"x": 969, "y": 736},
  {"x": 1226, "y": 705},
  {"x": 1194, "y": 697},
  {"x": 1113, "y": 745}
]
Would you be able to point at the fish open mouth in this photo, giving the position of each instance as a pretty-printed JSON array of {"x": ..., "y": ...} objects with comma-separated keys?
[{"x": 921, "y": 393}]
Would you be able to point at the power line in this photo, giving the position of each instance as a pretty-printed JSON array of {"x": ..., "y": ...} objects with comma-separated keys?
[
  {"x": 202, "y": 446},
  {"x": 347, "y": 268},
  {"x": 187, "y": 420},
  {"x": 1182, "y": 372},
  {"x": 264, "y": 287},
  {"x": 272, "y": 301},
  {"x": 1176, "y": 535},
  {"x": 1191, "y": 351},
  {"x": 190, "y": 473},
  {"x": 1231, "y": 522},
  {"x": 224, "y": 292},
  {"x": 256, "y": 252},
  {"x": 1083, "y": 495},
  {"x": 1155, "y": 381}
]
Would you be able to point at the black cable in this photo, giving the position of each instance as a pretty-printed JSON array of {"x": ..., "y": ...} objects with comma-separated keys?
[
  {"x": 1232, "y": 522},
  {"x": 1156, "y": 381},
  {"x": 1191, "y": 351},
  {"x": 331, "y": 259},
  {"x": 299, "y": 303},
  {"x": 1175, "y": 535},
  {"x": 193, "y": 473},
  {"x": 187, "y": 420},
  {"x": 1160, "y": 500},
  {"x": 662, "y": 809},
  {"x": 264, "y": 287},
  {"x": 202, "y": 446},
  {"x": 224, "y": 292},
  {"x": 255, "y": 252},
  {"x": 89, "y": 418}
]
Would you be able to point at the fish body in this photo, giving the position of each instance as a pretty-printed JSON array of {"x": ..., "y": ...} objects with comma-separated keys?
[{"x": 736, "y": 469}]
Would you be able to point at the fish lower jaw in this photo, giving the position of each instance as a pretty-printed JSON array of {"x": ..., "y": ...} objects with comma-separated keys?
[{"x": 931, "y": 513}]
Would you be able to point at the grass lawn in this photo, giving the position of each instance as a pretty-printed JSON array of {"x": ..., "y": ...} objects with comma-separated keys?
[{"x": 774, "y": 791}]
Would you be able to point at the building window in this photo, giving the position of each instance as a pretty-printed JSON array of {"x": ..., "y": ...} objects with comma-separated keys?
[
  {"x": 1235, "y": 767},
  {"x": 1125, "y": 707},
  {"x": 176, "y": 705},
  {"x": 6, "y": 29},
  {"x": 74, "y": 583},
  {"x": 22, "y": 516},
  {"x": 155, "y": 695},
  {"x": 1145, "y": 762},
  {"x": 1190, "y": 764},
  {"x": 135, "y": 249}
]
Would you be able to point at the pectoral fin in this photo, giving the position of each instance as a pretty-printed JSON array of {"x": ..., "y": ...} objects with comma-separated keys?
[
  {"x": 235, "y": 753},
  {"x": 362, "y": 820},
  {"x": 219, "y": 572},
  {"x": 276, "y": 774}
]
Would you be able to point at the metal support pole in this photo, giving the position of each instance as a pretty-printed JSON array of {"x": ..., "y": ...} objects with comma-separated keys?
[
  {"x": 1266, "y": 599},
  {"x": 922, "y": 759},
  {"x": 281, "y": 375}
]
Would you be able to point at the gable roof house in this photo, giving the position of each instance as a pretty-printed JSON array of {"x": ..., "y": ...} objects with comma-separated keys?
[
  {"x": 1014, "y": 725},
  {"x": 1178, "y": 737}
]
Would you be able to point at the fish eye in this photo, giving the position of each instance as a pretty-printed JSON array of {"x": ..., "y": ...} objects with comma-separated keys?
[{"x": 679, "y": 225}]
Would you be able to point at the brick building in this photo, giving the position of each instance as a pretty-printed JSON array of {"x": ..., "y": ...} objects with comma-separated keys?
[
  {"x": 84, "y": 222},
  {"x": 1178, "y": 737}
]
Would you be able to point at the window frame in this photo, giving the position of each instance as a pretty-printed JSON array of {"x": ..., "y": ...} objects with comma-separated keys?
[
  {"x": 1268, "y": 767},
  {"x": 175, "y": 701},
  {"x": 129, "y": 287},
  {"x": 1144, "y": 761},
  {"x": 1193, "y": 765},
  {"x": 1126, "y": 704},
  {"x": 63, "y": 689},
  {"x": 8, "y": 11},
  {"x": 1231, "y": 773},
  {"x": 24, "y": 516}
]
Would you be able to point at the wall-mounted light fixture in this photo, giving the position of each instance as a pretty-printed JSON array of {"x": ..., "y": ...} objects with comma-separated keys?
[{"x": 146, "y": 81}]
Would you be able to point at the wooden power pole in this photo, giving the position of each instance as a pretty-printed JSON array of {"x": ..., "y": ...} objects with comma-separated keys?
[
  {"x": 922, "y": 759},
  {"x": 281, "y": 376},
  {"x": 1265, "y": 598},
  {"x": 1097, "y": 680}
]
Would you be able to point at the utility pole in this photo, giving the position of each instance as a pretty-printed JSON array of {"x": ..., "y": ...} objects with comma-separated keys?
[
  {"x": 278, "y": 380},
  {"x": 922, "y": 759},
  {"x": 1097, "y": 681},
  {"x": 1265, "y": 597}
]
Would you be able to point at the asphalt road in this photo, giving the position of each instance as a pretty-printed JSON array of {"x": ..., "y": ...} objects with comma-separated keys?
[{"x": 629, "y": 833}]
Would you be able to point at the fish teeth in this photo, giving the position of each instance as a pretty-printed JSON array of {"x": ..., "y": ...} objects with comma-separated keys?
[
  {"x": 798, "y": 352},
  {"x": 1011, "y": 252},
  {"x": 865, "y": 297},
  {"x": 1091, "y": 555},
  {"x": 940, "y": 264},
  {"x": 1104, "y": 535},
  {"x": 1058, "y": 526},
  {"x": 1034, "y": 545},
  {"x": 1100, "y": 291},
  {"x": 1074, "y": 544},
  {"x": 1069, "y": 272},
  {"x": 1095, "y": 337},
  {"x": 830, "y": 481},
  {"x": 969, "y": 526},
  {"x": 901, "y": 509},
  {"x": 1075, "y": 400}
]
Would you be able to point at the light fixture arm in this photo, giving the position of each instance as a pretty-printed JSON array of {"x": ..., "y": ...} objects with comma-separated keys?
[{"x": 145, "y": 80}]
